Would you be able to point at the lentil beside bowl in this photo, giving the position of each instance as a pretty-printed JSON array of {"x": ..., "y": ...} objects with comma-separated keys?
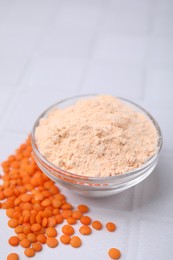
[{"x": 125, "y": 170}]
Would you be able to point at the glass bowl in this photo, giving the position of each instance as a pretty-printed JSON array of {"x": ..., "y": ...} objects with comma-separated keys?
[{"x": 95, "y": 186}]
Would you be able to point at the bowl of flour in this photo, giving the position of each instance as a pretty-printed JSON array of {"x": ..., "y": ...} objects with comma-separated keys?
[{"x": 96, "y": 145}]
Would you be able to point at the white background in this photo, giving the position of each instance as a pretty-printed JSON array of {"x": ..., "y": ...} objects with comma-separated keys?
[{"x": 52, "y": 49}]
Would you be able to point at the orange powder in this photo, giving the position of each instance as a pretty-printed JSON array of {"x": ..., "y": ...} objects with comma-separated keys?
[{"x": 100, "y": 136}]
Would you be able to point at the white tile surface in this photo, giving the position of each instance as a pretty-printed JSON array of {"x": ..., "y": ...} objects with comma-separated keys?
[
  {"x": 11, "y": 70},
  {"x": 163, "y": 21},
  {"x": 159, "y": 82},
  {"x": 108, "y": 77},
  {"x": 130, "y": 3},
  {"x": 5, "y": 98},
  {"x": 32, "y": 102},
  {"x": 31, "y": 12},
  {"x": 5, "y": 7},
  {"x": 121, "y": 49},
  {"x": 155, "y": 228},
  {"x": 160, "y": 52},
  {"x": 80, "y": 15},
  {"x": 9, "y": 142},
  {"x": 50, "y": 71},
  {"x": 126, "y": 19},
  {"x": 52, "y": 49},
  {"x": 18, "y": 41},
  {"x": 67, "y": 42},
  {"x": 165, "y": 4},
  {"x": 156, "y": 191}
]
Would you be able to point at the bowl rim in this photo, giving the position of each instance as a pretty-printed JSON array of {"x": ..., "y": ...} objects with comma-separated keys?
[{"x": 107, "y": 178}]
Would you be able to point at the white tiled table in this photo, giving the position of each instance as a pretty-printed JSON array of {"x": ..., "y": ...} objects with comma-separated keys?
[{"x": 52, "y": 49}]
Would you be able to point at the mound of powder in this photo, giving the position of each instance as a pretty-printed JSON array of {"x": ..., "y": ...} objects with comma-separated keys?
[{"x": 99, "y": 136}]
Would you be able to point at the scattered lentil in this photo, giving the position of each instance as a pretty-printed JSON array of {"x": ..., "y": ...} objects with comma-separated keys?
[
  {"x": 31, "y": 237},
  {"x": 71, "y": 221},
  {"x": 85, "y": 230},
  {"x": 85, "y": 220},
  {"x": 75, "y": 241},
  {"x": 97, "y": 225},
  {"x": 111, "y": 227},
  {"x": 114, "y": 253},
  {"x": 77, "y": 214},
  {"x": 29, "y": 252},
  {"x": 83, "y": 208},
  {"x": 52, "y": 242},
  {"x": 13, "y": 256},
  {"x": 65, "y": 239},
  {"x": 41, "y": 238},
  {"x": 68, "y": 230},
  {"x": 13, "y": 241},
  {"x": 37, "y": 247},
  {"x": 25, "y": 243},
  {"x": 51, "y": 232}
]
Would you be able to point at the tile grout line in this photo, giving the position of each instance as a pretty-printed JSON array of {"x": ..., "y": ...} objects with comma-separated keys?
[
  {"x": 9, "y": 109},
  {"x": 151, "y": 12},
  {"x": 92, "y": 47},
  {"x": 37, "y": 43}
]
